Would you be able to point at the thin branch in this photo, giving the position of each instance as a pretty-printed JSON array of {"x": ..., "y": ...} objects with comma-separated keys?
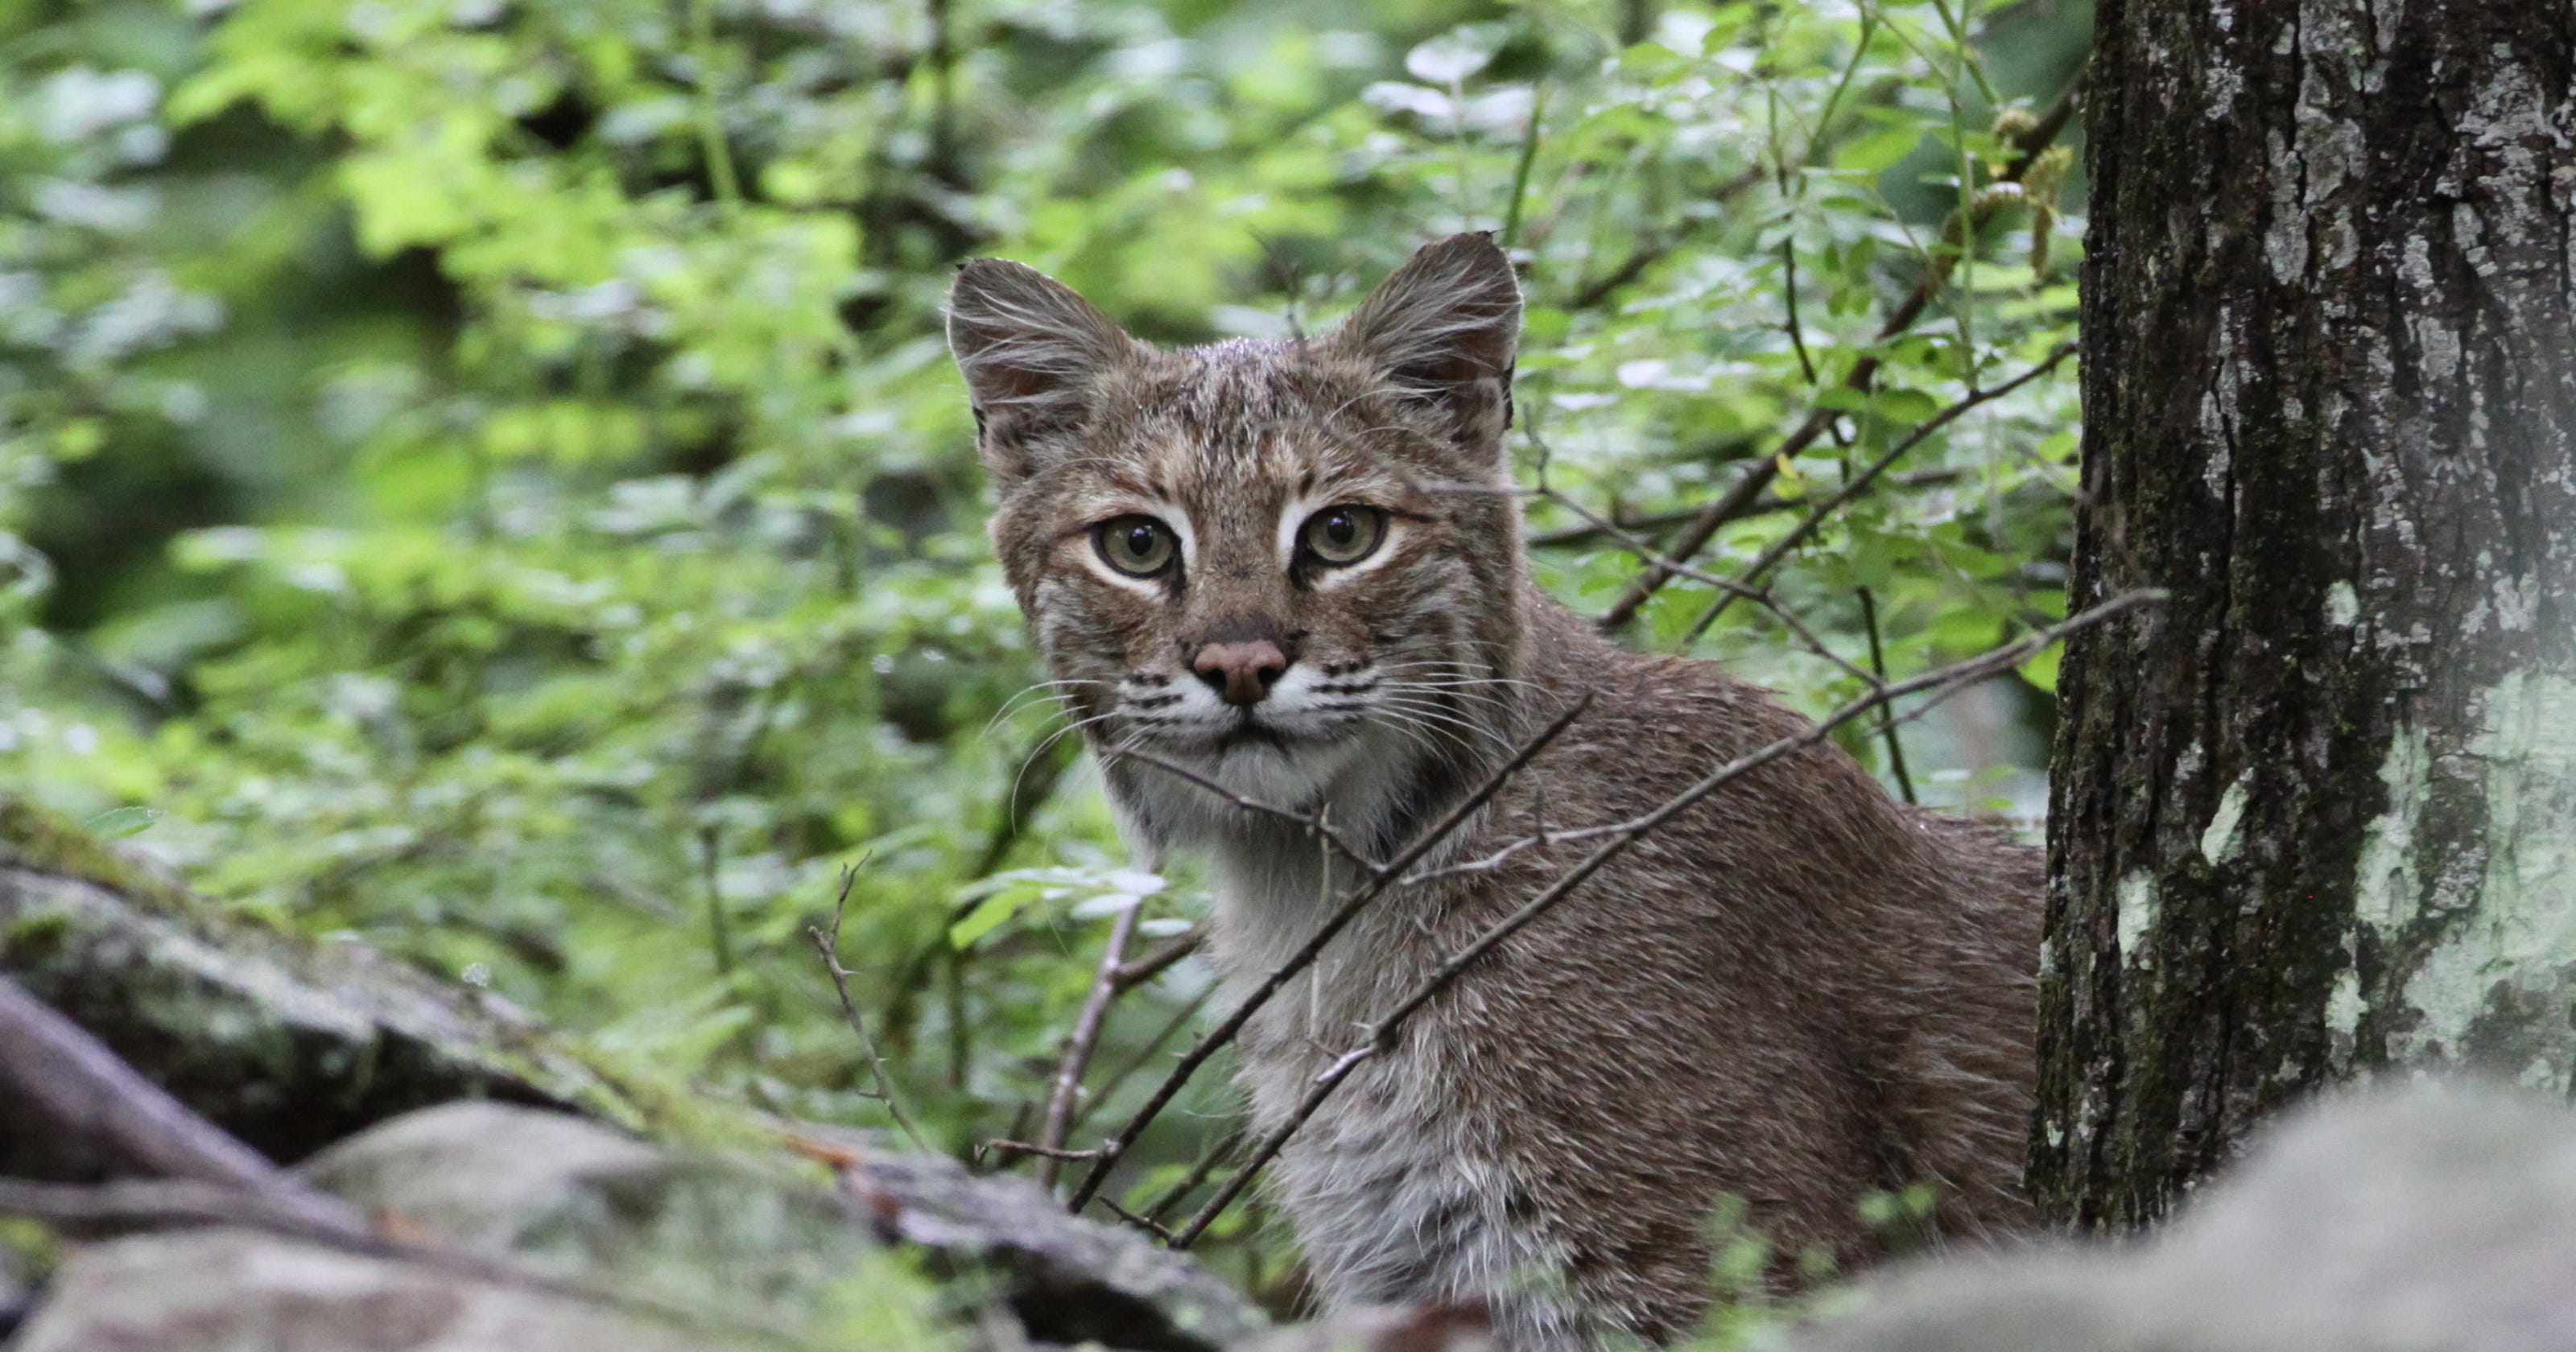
[
  {"x": 1654, "y": 250},
  {"x": 1878, "y": 665},
  {"x": 828, "y": 944},
  {"x": 1145, "y": 1223},
  {"x": 56, "y": 1073},
  {"x": 1154, "y": 964},
  {"x": 1153, "y": 1047},
  {"x": 719, "y": 926},
  {"x": 1521, "y": 171},
  {"x": 1815, "y": 518},
  {"x": 1218, "y": 1152},
  {"x": 1079, "y": 1046},
  {"x": 1051, "y": 1153},
  {"x": 1379, "y": 1036},
  {"x": 1789, "y": 288},
  {"x": 1570, "y": 536},
  {"x": 1312, "y": 823},
  {"x": 721, "y": 177},
  {"x": 1760, "y": 596},
  {"x": 1651, "y": 252},
  {"x": 132, "y": 1205},
  {"x": 1741, "y": 495},
  {"x": 1375, "y": 883}
]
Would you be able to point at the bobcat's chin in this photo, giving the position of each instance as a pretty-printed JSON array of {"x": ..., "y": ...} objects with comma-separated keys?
[{"x": 1295, "y": 744}]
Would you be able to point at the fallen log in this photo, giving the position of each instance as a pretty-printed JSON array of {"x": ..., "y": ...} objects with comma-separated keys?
[{"x": 284, "y": 1042}]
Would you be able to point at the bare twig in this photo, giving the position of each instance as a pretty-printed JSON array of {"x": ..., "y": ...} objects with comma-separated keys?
[
  {"x": 1218, "y": 1152},
  {"x": 1153, "y": 1047},
  {"x": 1651, "y": 252},
  {"x": 1878, "y": 667},
  {"x": 1154, "y": 964},
  {"x": 1374, "y": 883},
  {"x": 1042, "y": 1151},
  {"x": 1145, "y": 1223},
  {"x": 130, "y": 1205},
  {"x": 1741, "y": 495},
  {"x": 1570, "y": 536},
  {"x": 1379, "y": 1036},
  {"x": 1312, "y": 823},
  {"x": 719, "y": 926},
  {"x": 1789, "y": 288},
  {"x": 828, "y": 944},
  {"x": 1815, "y": 517},
  {"x": 1079, "y": 1046},
  {"x": 59, "y": 1075},
  {"x": 1760, "y": 596}
]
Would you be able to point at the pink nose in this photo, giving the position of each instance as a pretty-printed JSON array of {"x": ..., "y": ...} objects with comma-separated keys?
[{"x": 1241, "y": 672}]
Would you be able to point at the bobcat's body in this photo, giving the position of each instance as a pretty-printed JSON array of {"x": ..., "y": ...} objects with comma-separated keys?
[{"x": 1796, "y": 993}]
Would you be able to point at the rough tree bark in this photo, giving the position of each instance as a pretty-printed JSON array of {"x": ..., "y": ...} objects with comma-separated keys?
[{"x": 2316, "y": 819}]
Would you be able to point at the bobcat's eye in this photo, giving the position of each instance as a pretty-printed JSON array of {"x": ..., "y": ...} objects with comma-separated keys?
[
  {"x": 1138, "y": 546},
  {"x": 1344, "y": 535}
]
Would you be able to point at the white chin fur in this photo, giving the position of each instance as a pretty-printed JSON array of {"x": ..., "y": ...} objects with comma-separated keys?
[{"x": 1351, "y": 771}]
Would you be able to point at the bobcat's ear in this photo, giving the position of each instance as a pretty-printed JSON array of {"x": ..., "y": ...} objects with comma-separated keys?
[
  {"x": 1032, "y": 351},
  {"x": 1444, "y": 328}
]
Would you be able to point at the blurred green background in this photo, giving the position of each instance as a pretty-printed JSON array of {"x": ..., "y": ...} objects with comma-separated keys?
[{"x": 484, "y": 477}]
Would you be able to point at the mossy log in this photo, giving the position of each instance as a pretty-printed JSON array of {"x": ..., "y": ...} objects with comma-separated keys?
[{"x": 288, "y": 1043}]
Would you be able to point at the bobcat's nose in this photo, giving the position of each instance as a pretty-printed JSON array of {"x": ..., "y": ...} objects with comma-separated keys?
[{"x": 1242, "y": 673}]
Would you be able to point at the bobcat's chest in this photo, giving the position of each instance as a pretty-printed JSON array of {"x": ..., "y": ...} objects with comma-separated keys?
[{"x": 1400, "y": 1185}]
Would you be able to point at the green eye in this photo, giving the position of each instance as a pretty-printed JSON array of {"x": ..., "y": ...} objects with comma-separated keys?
[
  {"x": 1138, "y": 546},
  {"x": 1340, "y": 536}
]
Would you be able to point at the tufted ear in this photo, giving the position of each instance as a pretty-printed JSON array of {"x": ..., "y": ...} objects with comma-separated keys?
[
  {"x": 1445, "y": 328},
  {"x": 1032, "y": 351}
]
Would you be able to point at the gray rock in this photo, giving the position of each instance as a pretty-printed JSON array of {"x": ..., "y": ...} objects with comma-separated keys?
[
  {"x": 751, "y": 1239},
  {"x": 246, "y": 1291},
  {"x": 761, "y": 1240},
  {"x": 243, "y": 1291},
  {"x": 1414, "y": 1328},
  {"x": 16, "y": 1288},
  {"x": 2422, "y": 1220}
]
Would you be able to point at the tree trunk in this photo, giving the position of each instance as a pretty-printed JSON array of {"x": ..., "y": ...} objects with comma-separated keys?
[{"x": 2316, "y": 818}]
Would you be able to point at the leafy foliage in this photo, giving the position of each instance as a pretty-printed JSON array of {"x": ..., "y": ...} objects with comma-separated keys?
[{"x": 485, "y": 477}]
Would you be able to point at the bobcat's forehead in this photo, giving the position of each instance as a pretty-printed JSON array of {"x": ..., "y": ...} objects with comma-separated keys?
[{"x": 1234, "y": 445}]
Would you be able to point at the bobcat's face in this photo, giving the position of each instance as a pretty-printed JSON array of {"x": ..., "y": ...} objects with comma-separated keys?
[{"x": 1281, "y": 566}]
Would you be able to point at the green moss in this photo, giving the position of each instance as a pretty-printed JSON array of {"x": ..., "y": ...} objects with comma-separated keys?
[
  {"x": 35, "y": 939},
  {"x": 33, "y": 838}
]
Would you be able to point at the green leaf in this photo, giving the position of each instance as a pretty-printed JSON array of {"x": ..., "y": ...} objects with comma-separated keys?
[
  {"x": 1880, "y": 150},
  {"x": 2041, "y": 669},
  {"x": 122, "y": 822}
]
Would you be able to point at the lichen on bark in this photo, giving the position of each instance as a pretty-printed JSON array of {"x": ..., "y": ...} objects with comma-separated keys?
[{"x": 2317, "y": 819}]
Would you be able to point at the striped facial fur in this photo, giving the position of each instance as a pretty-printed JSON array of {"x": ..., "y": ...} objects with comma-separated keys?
[{"x": 1283, "y": 565}]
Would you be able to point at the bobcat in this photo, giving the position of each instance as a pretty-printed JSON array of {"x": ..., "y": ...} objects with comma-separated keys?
[{"x": 1296, "y": 568}]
